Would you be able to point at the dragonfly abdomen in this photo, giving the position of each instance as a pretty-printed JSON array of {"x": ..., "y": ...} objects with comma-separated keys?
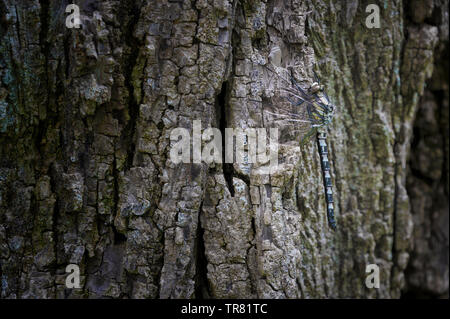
[{"x": 325, "y": 164}]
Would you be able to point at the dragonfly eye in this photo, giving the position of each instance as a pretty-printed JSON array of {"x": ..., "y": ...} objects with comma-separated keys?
[{"x": 314, "y": 88}]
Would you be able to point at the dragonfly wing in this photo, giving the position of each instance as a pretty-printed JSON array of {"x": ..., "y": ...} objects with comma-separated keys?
[
  {"x": 308, "y": 135},
  {"x": 291, "y": 109},
  {"x": 285, "y": 81},
  {"x": 292, "y": 120}
]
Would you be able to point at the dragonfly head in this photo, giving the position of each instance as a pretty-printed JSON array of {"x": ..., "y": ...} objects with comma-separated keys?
[{"x": 315, "y": 87}]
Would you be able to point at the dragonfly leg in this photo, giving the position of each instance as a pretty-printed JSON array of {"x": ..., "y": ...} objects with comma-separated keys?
[{"x": 316, "y": 78}]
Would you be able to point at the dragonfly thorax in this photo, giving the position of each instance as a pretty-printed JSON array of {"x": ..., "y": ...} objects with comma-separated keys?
[
  {"x": 324, "y": 107},
  {"x": 329, "y": 113}
]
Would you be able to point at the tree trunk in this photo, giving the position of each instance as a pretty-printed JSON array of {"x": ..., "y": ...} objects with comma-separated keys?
[{"x": 86, "y": 176}]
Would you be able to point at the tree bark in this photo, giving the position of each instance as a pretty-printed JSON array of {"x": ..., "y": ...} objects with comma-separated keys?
[{"x": 86, "y": 177}]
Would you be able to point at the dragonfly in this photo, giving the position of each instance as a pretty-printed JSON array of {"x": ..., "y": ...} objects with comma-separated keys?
[{"x": 303, "y": 112}]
